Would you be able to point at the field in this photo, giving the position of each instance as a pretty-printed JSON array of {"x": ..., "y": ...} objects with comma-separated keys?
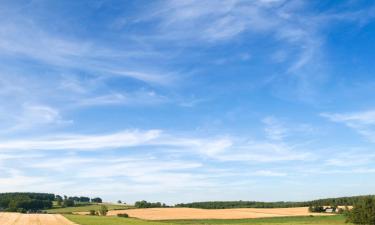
[
  {"x": 191, "y": 213},
  {"x": 55, "y": 219},
  {"x": 307, "y": 220},
  {"x": 33, "y": 219},
  {"x": 87, "y": 208}
]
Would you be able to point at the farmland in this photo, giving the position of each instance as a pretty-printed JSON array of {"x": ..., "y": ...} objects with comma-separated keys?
[
  {"x": 191, "y": 213},
  {"x": 70, "y": 219},
  {"x": 316, "y": 220},
  {"x": 33, "y": 219}
]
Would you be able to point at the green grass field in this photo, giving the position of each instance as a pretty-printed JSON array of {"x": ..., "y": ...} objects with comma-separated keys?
[
  {"x": 101, "y": 220},
  {"x": 86, "y": 208},
  {"x": 317, "y": 220}
]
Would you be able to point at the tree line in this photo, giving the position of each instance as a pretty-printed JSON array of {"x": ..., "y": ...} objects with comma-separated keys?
[
  {"x": 145, "y": 204},
  {"x": 23, "y": 202},
  {"x": 342, "y": 201},
  {"x": 73, "y": 201},
  {"x": 35, "y": 202}
]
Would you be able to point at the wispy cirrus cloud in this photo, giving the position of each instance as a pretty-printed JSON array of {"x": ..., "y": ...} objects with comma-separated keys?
[
  {"x": 218, "y": 148},
  {"x": 64, "y": 53},
  {"x": 82, "y": 142},
  {"x": 298, "y": 33},
  {"x": 362, "y": 122}
]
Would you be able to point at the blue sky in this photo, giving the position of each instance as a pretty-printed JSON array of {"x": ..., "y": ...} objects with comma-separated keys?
[{"x": 180, "y": 101}]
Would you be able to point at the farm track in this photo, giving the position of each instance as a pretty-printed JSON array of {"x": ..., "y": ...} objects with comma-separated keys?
[
  {"x": 33, "y": 219},
  {"x": 192, "y": 213}
]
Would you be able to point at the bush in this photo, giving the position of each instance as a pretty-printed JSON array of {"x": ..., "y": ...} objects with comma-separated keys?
[
  {"x": 92, "y": 213},
  {"x": 316, "y": 209},
  {"x": 68, "y": 203},
  {"x": 363, "y": 212},
  {"x": 123, "y": 215},
  {"x": 21, "y": 210},
  {"x": 103, "y": 210}
]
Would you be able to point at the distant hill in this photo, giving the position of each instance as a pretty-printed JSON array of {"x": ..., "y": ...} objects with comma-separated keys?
[{"x": 341, "y": 201}]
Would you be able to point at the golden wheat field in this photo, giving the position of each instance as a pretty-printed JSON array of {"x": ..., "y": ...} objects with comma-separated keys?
[
  {"x": 191, "y": 213},
  {"x": 33, "y": 219}
]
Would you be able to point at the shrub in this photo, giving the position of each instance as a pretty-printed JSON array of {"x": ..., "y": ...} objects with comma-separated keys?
[
  {"x": 316, "y": 209},
  {"x": 92, "y": 213},
  {"x": 123, "y": 215},
  {"x": 340, "y": 211},
  {"x": 103, "y": 210}
]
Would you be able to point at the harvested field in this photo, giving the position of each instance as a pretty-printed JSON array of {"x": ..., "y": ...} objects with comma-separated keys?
[
  {"x": 191, "y": 213},
  {"x": 33, "y": 219}
]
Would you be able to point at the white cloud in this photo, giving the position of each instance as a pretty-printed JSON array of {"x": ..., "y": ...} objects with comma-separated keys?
[
  {"x": 297, "y": 33},
  {"x": 36, "y": 115},
  {"x": 218, "y": 148},
  {"x": 351, "y": 157},
  {"x": 142, "y": 97},
  {"x": 274, "y": 129},
  {"x": 363, "y": 117},
  {"x": 83, "y": 142},
  {"x": 268, "y": 173},
  {"x": 24, "y": 38},
  {"x": 362, "y": 122}
]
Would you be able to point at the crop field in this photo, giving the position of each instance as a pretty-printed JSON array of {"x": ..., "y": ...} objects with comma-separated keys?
[
  {"x": 33, "y": 219},
  {"x": 55, "y": 219},
  {"x": 192, "y": 213},
  {"x": 306, "y": 220}
]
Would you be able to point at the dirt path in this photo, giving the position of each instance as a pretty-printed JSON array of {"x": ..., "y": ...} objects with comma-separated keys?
[
  {"x": 190, "y": 213},
  {"x": 33, "y": 219}
]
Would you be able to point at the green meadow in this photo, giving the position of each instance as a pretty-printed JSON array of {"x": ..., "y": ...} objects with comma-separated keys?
[{"x": 86, "y": 208}]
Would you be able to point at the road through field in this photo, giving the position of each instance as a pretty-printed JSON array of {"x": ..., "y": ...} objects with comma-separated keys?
[
  {"x": 33, "y": 219},
  {"x": 191, "y": 213}
]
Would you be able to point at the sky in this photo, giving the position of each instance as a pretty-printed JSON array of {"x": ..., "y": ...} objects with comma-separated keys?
[{"x": 188, "y": 100}]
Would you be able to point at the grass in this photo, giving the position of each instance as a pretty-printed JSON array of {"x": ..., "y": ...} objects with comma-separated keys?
[
  {"x": 302, "y": 220},
  {"x": 109, "y": 220},
  {"x": 86, "y": 208},
  {"x": 306, "y": 220}
]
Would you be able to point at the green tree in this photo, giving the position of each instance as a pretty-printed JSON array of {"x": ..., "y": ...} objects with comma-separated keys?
[
  {"x": 103, "y": 210},
  {"x": 96, "y": 200},
  {"x": 363, "y": 212},
  {"x": 68, "y": 203}
]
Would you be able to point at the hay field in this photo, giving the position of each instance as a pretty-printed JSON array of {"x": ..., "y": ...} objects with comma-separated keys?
[
  {"x": 33, "y": 219},
  {"x": 191, "y": 213}
]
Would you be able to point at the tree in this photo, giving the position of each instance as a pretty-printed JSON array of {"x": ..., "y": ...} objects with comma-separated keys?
[
  {"x": 59, "y": 200},
  {"x": 119, "y": 202},
  {"x": 84, "y": 199},
  {"x": 103, "y": 210},
  {"x": 68, "y": 203},
  {"x": 24, "y": 201},
  {"x": 316, "y": 208},
  {"x": 363, "y": 212},
  {"x": 97, "y": 200}
]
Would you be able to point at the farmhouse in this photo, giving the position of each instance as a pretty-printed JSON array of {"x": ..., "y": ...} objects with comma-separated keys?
[{"x": 330, "y": 210}]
